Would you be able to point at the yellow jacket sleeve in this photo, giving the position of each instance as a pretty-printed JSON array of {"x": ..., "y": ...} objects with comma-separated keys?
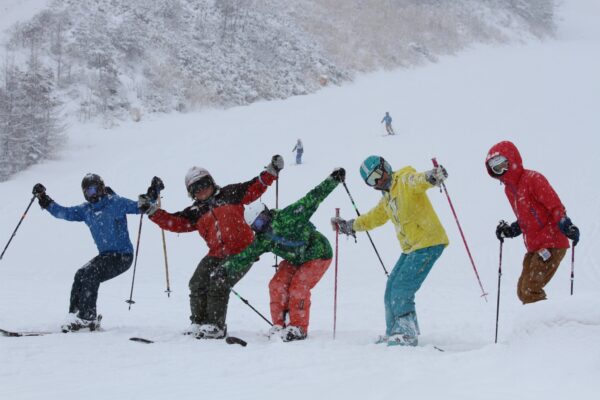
[{"x": 377, "y": 216}]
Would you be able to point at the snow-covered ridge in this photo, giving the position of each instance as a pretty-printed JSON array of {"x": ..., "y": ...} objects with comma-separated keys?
[{"x": 109, "y": 56}]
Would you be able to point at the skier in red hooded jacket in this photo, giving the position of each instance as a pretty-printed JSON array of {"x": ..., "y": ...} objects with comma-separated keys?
[{"x": 541, "y": 217}]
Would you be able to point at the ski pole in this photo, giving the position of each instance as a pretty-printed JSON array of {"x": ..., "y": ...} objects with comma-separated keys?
[
  {"x": 572, "y": 268},
  {"x": 483, "y": 293},
  {"x": 337, "y": 235},
  {"x": 498, "y": 300},
  {"x": 250, "y": 305},
  {"x": 19, "y": 224},
  {"x": 164, "y": 242},
  {"x": 276, "y": 207},
  {"x": 137, "y": 248},
  {"x": 368, "y": 235}
]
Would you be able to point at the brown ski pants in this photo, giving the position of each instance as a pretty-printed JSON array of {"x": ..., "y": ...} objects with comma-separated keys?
[{"x": 536, "y": 274}]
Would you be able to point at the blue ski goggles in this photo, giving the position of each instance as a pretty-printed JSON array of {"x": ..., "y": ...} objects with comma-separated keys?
[
  {"x": 261, "y": 223},
  {"x": 91, "y": 191}
]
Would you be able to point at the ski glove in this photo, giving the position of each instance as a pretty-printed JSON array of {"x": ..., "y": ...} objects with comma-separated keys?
[
  {"x": 39, "y": 191},
  {"x": 156, "y": 186},
  {"x": 569, "y": 230},
  {"x": 436, "y": 176},
  {"x": 504, "y": 230},
  {"x": 339, "y": 174},
  {"x": 146, "y": 205},
  {"x": 275, "y": 165},
  {"x": 344, "y": 226}
]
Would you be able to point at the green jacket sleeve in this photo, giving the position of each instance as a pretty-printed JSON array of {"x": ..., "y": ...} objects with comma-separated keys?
[
  {"x": 244, "y": 260},
  {"x": 306, "y": 206}
]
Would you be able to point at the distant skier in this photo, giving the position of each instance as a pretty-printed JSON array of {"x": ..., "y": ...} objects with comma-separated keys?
[
  {"x": 306, "y": 255},
  {"x": 299, "y": 149},
  {"x": 541, "y": 217},
  {"x": 387, "y": 118},
  {"x": 419, "y": 232},
  {"x": 218, "y": 215},
  {"x": 105, "y": 215}
]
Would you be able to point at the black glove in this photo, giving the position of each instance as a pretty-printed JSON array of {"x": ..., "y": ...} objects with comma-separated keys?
[
  {"x": 344, "y": 226},
  {"x": 39, "y": 191},
  {"x": 146, "y": 205},
  {"x": 339, "y": 174},
  {"x": 504, "y": 230},
  {"x": 275, "y": 165},
  {"x": 156, "y": 186},
  {"x": 569, "y": 230}
]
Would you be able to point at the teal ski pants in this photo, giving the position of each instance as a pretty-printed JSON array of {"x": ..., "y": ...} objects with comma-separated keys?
[{"x": 406, "y": 278}]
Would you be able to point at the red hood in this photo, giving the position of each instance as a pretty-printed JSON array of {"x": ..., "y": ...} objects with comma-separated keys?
[{"x": 515, "y": 163}]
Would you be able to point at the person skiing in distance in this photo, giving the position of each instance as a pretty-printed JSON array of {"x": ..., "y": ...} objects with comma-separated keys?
[
  {"x": 419, "y": 231},
  {"x": 299, "y": 149},
  {"x": 217, "y": 213},
  {"x": 306, "y": 255},
  {"x": 387, "y": 118},
  {"x": 541, "y": 218},
  {"x": 104, "y": 213}
]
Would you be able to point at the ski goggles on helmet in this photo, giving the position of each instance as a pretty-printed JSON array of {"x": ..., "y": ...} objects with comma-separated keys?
[
  {"x": 376, "y": 174},
  {"x": 498, "y": 164},
  {"x": 261, "y": 223},
  {"x": 200, "y": 184},
  {"x": 91, "y": 191}
]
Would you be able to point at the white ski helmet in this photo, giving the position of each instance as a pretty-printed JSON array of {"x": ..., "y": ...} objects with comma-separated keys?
[
  {"x": 197, "y": 174},
  {"x": 252, "y": 211}
]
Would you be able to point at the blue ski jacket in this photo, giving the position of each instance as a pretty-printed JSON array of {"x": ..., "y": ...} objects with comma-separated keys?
[{"x": 106, "y": 219}]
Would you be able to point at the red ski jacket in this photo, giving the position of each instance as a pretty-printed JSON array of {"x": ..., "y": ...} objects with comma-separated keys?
[
  {"x": 535, "y": 203},
  {"x": 220, "y": 219}
]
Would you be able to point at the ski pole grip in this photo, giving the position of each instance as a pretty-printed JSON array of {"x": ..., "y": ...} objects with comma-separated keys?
[{"x": 434, "y": 161}]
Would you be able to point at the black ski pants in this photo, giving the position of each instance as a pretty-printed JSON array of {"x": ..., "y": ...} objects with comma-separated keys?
[
  {"x": 208, "y": 297},
  {"x": 86, "y": 283}
]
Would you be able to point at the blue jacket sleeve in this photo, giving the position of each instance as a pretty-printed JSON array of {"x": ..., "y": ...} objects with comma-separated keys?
[
  {"x": 75, "y": 213},
  {"x": 128, "y": 206}
]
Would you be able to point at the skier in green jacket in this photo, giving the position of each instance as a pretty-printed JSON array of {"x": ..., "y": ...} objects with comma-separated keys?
[{"x": 306, "y": 255}]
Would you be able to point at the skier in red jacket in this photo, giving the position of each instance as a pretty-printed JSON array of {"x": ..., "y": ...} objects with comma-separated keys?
[
  {"x": 541, "y": 217},
  {"x": 218, "y": 215}
]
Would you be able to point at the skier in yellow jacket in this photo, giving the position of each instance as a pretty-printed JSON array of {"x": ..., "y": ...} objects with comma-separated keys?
[{"x": 419, "y": 231}]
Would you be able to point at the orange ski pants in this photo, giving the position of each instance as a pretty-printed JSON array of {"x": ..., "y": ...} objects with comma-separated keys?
[{"x": 290, "y": 291}]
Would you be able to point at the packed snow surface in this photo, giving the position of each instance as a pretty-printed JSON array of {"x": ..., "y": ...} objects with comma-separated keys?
[{"x": 543, "y": 96}]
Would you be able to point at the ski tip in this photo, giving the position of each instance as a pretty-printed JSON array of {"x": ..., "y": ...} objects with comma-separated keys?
[
  {"x": 236, "y": 340},
  {"x": 141, "y": 340}
]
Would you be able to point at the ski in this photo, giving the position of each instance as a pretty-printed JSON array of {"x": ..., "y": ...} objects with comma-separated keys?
[
  {"x": 6, "y": 333},
  {"x": 228, "y": 340}
]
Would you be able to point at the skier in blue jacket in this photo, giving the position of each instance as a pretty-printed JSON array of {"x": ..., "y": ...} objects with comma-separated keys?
[
  {"x": 105, "y": 215},
  {"x": 387, "y": 118}
]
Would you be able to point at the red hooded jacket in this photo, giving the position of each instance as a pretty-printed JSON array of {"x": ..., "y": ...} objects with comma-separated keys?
[
  {"x": 535, "y": 203},
  {"x": 220, "y": 219}
]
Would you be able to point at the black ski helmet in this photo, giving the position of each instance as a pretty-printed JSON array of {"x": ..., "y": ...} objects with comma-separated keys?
[{"x": 93, "y": 187}]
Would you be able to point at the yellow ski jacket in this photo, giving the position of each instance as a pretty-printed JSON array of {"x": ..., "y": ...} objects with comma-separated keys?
[{"x": 407, "y": 205}]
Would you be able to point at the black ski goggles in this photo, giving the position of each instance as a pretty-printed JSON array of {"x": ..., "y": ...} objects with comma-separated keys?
[{"x": 200, "y": 184}]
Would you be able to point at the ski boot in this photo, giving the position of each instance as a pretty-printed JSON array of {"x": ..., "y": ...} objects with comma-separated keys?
[
  {"x": 275, "y": 332},
  {"x": 75, "y": 323},
  {"x": 210, "y": 331},
  {"x": 292, "y": 333}
]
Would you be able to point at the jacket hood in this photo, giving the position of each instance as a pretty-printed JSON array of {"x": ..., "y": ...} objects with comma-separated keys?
[{"x": 515, "y": 163}]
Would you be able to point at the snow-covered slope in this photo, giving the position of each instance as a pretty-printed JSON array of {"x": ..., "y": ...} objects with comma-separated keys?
[{"x": 542, "y": 96}]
